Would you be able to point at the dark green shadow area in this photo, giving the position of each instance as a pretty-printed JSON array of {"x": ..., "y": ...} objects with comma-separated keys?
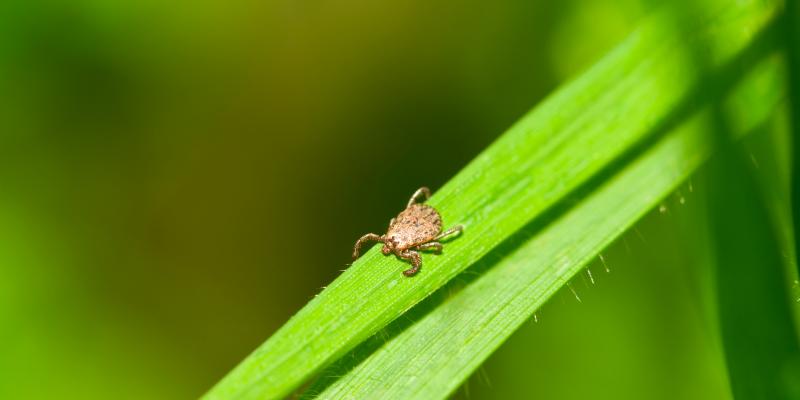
[{"x": 791, "y": 36}]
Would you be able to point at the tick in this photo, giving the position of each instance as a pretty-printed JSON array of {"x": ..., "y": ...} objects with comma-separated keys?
[{"x": 417, "y": 228}]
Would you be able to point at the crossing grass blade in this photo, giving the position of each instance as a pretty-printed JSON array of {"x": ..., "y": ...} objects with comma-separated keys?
[
  {"x": 791, "y": 40},
  {"x": 757, "y": 330}
]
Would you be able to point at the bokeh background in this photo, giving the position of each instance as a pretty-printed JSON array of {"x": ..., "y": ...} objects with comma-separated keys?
[{"x": 178, "y": 178}]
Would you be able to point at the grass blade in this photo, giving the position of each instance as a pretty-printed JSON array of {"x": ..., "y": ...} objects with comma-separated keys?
[
  {"x": 757, "y": 328},
  {"x": 753, "y": 301},
  {"x": 792, "y": 43},
  {"x": 574, "y": 141}
]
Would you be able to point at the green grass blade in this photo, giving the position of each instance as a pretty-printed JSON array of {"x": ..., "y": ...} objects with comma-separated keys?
[
  {"x": 756, "y": 320},
  {"x": 792, "y": 43},
  {"x": 751, "y": 257},
  {"x": 572, "y": 142},
  {"x": 429, "y": 358},
  {"x": 753, "y": 301}
]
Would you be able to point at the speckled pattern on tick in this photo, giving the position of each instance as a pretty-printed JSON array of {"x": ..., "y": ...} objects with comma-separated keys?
[{"x": 417, "y": 228}]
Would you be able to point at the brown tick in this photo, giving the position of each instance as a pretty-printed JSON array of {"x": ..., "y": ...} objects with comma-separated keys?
[{"x": 417, "y": 228}]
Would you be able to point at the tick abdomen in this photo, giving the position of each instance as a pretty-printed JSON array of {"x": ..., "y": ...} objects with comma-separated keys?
[{"x": 417, "y": 224}]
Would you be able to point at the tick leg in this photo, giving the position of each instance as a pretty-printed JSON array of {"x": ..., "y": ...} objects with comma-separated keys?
[
  {"x": 435, "y": 246},
  {"x": 415, "y": 259},
  {"x": 451, "y": 231},
  {"x": 421, "y": 192},
  {"x": 364, "y": 239}
]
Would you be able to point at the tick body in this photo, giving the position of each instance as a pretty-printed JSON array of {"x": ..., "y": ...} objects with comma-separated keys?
[{"x": 417, "y": 228}]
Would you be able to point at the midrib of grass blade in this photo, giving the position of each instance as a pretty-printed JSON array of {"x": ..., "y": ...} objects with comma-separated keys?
[
  {"x": 629, "y": 96},
  {"x": 431, "y": 357}
]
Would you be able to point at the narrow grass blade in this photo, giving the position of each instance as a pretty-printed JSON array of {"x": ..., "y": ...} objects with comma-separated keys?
[
  {"x": 575, "y": 140},
  {"x": 753, "y": 301},
  {"x": 792, "y": 43},
  {"x": 757, "y": 325}
]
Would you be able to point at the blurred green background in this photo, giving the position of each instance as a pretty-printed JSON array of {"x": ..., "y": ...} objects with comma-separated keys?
[{"x": 179, "y": 178}]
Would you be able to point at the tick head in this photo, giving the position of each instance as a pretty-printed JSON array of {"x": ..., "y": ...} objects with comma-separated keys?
[{"x": 388, "y": 247}]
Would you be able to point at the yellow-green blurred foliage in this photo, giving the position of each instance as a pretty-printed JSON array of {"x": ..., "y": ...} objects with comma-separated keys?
[{"x": 178, "y": 178}]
